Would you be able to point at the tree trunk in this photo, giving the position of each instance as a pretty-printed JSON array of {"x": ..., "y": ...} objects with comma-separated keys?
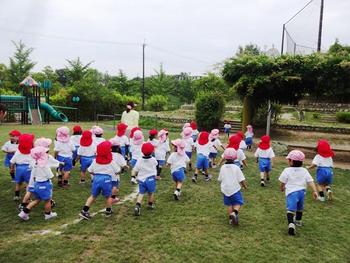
[{"x": 247, "y": 113}]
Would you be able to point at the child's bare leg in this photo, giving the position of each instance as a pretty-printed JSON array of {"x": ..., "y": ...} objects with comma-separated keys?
[
  {"x": 109, "y": 202},
  {"x": 47, "y": 207},
  {"x": 26, "y": 198},
  {"x": 17, "y": 191},
  {"x": 329, "y": 192},
  {"x": 233, "y": 214},
  {"x": 268, "y": 176},
  {"x": 66, "y": 175},
  {"x": 137, "y": 209},
  {"x": 150, "y": 198},
  {"x": 33, "y": 204},
  {"x": 114, "y": 195},
  {"x": 194, "y": 178},
  {"x": 262, "y": 178},
  {"x": 178, "y": 185},
  {"x": 90, "y": 200},
  {"x": 82, "y": 176},
  {"x": 139, "y": 199}
]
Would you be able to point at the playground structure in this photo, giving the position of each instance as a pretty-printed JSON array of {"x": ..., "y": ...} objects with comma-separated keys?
[{"x": 34, "y": 108}]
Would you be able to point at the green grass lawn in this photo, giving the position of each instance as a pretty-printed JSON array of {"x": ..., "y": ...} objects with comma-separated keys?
[{"x": 194, "y": 229}]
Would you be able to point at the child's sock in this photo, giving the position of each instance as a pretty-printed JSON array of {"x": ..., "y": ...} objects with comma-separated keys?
[
  {"x": 113, "y": 196},
  {"x": 65, "y": 182},
  {"x": 178, "y": 189},
  {"x": 235, "y": 211},
  {"x": 108, "y": 209},
  {"x": 138, "y": 204},
  {"x": 290, "y": 217},
  {"x": 48, "y": 213},
  {"x": 17, "y": 193},
  {"x": 299, "y": 215},
  {"x": 150, "y": 203},
  {"x": 159, "y": 170},
  {"x": 321, "y": 193},
  {"x": 26, "y": 210},
  {"x": 328, "y": 188},
  {"x": 86, "y": 208}
]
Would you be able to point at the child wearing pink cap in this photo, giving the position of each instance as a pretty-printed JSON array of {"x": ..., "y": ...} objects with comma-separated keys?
[
  {"x": 136, "y": 153},
  {"x": 189, "y": 144},
  {"x": 249, "y": 137},
  {"x": 10, "y": 147},
  {"x": 264, "y": 155},
  {"x": 41, "y": 175},
  {"x": 294, "y": 181},
  {"x": 216, "y": 144},
  {"x": 161, "y": 150},
  {"x": 97, "y": 131},
  {"x": 232, "y": 179},
  {"x": 64, "y": 149},
  {"x": 177, "y": 161}
]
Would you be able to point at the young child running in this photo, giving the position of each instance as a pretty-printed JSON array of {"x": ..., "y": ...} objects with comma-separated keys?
[
  {"x": 232, "y": 178},
  {"x": 264, "y": 155},
  {"x": 294, "y": 181},
  {"x": 121, "y": 162},
  {"x": 122, "y": 138},
  {"x": 234, "y": 142},
  {"x": 10, "y": 147},
  {"x": 21, "y": 161},
  {"x": 216, "y": 143},
  {"x": 136, "y": 152},
  {"x": 203, "y": 146},
  {"x": 249, "y": 137},
  {"x": 161, "y": 150},
  {"x": 227, "y": 128},
  {"x": 41, "y": 176},
  {"x": 75, "y": 140},
  {"x": 102, "y": 168},
  {"x": 195, "y": 131},
  {"x": 242, "y": 144},
  {"x": 64, "y": 154},
  {"x": 98, "y": 135},
  {"x": 131, "y": 138},
  {"x": 324, "y": 173},
  {"x": 146, "y": 170},
  {"x": 189, "y": 144},
  {"x": 86, "y": 153},
  {"x": 178, "y": 161}
]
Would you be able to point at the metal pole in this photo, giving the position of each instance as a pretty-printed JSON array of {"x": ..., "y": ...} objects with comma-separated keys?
[
  {"x": 143, "y": 75},
  {"x": 319, "y": 42},
  {"x": 282, "y": 45},
  {"x": 268, "y": 123}
]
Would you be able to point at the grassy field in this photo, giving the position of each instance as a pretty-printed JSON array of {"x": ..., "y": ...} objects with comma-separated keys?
[{"x": 194, "y": 229}]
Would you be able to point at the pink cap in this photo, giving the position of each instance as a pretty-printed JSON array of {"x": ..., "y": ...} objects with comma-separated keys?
[
  {"x": 230, "y": 154},
  {"x": 250, "y": 128},
  {"x": 62, "y": 134},
  {"x": 138, "y": 138},
  {"x": 114, "y": 141},
  {"x": 187, "y": 133},
  {"x": 180, "y": 146},
  {"x": 162, "y": 135},
  {"x": 214, "y": 134},
  {"x": 39, "y": 155},
  {"x": 97, "y": 130},
  {"x": 187, "y": 124},
  {"x": 296, "y": 155},
  {"x": 44, "y": 142}
]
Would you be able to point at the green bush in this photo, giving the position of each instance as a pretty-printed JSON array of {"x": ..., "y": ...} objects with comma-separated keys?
[
  {"x": 343, "y": 117},
  {"x": 210, "y": 108},
  {"x": 157, "y": 103},
  {"x": 260, "y": 114},
  {"x": 316, "y": 116}
]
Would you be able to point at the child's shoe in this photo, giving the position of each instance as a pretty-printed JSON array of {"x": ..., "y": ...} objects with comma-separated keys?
[
  {"x": 268, "y": 178},
  {"x": 152, "y": 206},
  {"x": 329, "y": 195},
  {"x": 108, "y": 213},
  {"x": 133, "y": 180},
  {"x": 23, "y": 216},
  {"x": 21, "y": 207},
  {"x": 137, "y": 210},
  {"x": 291, "y": 229},
  {"x": 321, "y": 198},
  {"x": 299, "y": 223},
  {"x": 214, "y": 166},
  {"x": 16, "y": 198},
  {"x": 85, "y": 215},
  {"x": 262, "y": 182},
  {"x": 50, "y": 216},
  {"x": 177, "y": 195},
  {"x": 53, "y": 203},
  {"x": 194, "y": 179},
  {"x": 208, "y": 177},
  {"x": 82, "y": 181},
  {"x": 115, "y": 200},
  {"x": 234, "y": 218}
]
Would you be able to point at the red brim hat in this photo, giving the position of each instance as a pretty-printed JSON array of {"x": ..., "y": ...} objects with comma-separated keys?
[
  {"x": 234, "y": 142},
  {"x": 25, "y": 143},
  {"x": 240, "y": 134},
  {"x": 147, "y": 148},
  {"x": 265, "y": 142},
  {"x": 86, "y": 138},
  {"x": 77, "y": 129},
  {"x": 203, "y": 138},
  {"x": 133, "y": 130},
  {"x": 153, "y": 132},
  {"x": 104, "y": 153},
  {"x": 15, "y": 133},
  {"x": 194, "y": 125},
  {"x": 324, "y": 149},
  {"x": 121, "y": 129}
]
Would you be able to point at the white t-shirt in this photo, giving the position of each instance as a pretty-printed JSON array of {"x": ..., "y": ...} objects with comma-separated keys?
[
  {"x": 75, "y": 139},
  {"x": 189, "y": 144},
  {"x": 217, "y": 143},
  {"x": 120, "y": 161},
  {"x": 322, "y": 161},
  {"x": 295, "y": 179},
  {"x": 20, "y": 158},
  {"x": 154, "y": 142},
  {"x": 203, "y": 149},
  {"x": 242, "y": 145},
  {"x": 9, "y": 147},
  {"x": 131, "y": 118},
  {"x": 98, "y": 140},
  {"x": 123, "y": 140},
  {"x": 177, "y": 161},
  {"x": 161, "y": 150},
  {"x": 136, "y": 151},
  {"x": 227, "y": 126},
  {"x": 42, "y": 174},
  {"x": 108, "y": 169},
  {"x": 146, "y": 168},
  {"x": 264, "y": 153},
  {"x": 64, "y": 149},
  {"x": 87, "y": 151},
  {"x": 249, "y": 134},
  {"x": 230, "y": 176},
  {"x": 195, "y": 132},
  {"x": 240, "y": 156}
]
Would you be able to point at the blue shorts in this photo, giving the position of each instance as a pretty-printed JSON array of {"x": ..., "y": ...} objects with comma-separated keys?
[
  {"x": 202, "y": 162},
  {"x": 123, "y": 150},
  {"x": 213, "y": 155},
  {"x": 31, "y": 189},
  {"x": 189, "y": 154},
  {"x": 8, "y": 157},
  {"x": 68, "y": 163},
  {"x": 85, "y": 162},
  {"x": 115, "y": 184},
  {"x": 179, "y": 175},
  {"x": 148, "y": 186},
  {"x": 235, "y": 199},
  {"x": 295, "y": 201},
  {"x": 102, "y": 183},
  {"x": 43, "y": 190},
  {"x": 324, "y": 175},
  {"x": 264, "y": 165},
  {"x": 249, "y": 141},
  {"x": 161, "y": 163},
  {"x": 75, "y": 153},
  {"x": 22, "y": 173},
  {"x": 227, "y": 130},
  {"x": 133, "y": 163},
  {"x": 194, "y": 137}
]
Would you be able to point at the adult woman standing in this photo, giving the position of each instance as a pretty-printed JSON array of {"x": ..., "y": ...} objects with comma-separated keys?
[{"x": 130, "y": 116}]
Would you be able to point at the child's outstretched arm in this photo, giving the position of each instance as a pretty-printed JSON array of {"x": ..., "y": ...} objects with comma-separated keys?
[
  {"x": 282, "y": 187},
  {"x": 245, "y": 163},
  {"x": 244, "y": 184},
  {"x": 221, "y": 161},
  {"x": 314, "y": 190},
  {"x": 311, "y": 166}
]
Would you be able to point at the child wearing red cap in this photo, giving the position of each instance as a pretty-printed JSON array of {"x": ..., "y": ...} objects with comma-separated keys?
[
  {"x": 216, "y": 143},
  {"x": 195, "y": 131},
  {"x": 240, "y": 160},
  {"x": 10, "y": 147},
  {"x": 146, "y": 170},
  {"x": 242, "y": 144},
  {"x": 86, "y": 153},
  {"x": 232, "y": 178},
  {"x": 324, "y": 173},
  {"x": 249, "y": 137},
  {"x": 187, "y": 138},
  {"x": 21, "y": 161},
  {"x": 41, "y": 176},
  {"x": 178, "y": 161},
  {"x": 75, "y": 140},
  {"x": 123, "y": 139},
  {"x": 102, "y": 168},
  {"x": 264, "y": 155},
  {"x": 161, "y": 150},
  {"x": 203, "y": 146},
  {"x": 294, "y": 181}
]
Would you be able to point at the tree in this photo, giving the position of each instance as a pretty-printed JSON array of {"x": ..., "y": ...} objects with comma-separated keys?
[
  {"x": 248, "y": 50},
  {"x": 76, "y": 70},
  {"x": 184, "y": 88},
  {"x": 211, "y": 82},
  {"x": 20, "y": 64},
  {"x": 161, "y": 83}
]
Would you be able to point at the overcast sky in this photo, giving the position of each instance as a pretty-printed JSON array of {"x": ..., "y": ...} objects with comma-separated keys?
[{"x": 183, "y": 35}]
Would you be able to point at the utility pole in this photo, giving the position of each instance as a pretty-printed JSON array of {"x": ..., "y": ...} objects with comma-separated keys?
[
  {"x": 268, "y": 122},
  {"x": 143, "y": 75},
  {"x": 320, "y": 27},
  {"x": 282, "y": 45}
]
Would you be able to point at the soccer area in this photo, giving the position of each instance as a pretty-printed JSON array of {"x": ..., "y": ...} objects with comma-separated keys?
[{"x": 246, "y": 162}]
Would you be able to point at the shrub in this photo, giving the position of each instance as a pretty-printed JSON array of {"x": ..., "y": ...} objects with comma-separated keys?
[
  {"x": 209, "y": 110},
  {"x": 316, "y": 116},
  {"x": 157, "y": 103},
  {"x": 343, "y": 117},
  {"x": 260, "y": 114}
]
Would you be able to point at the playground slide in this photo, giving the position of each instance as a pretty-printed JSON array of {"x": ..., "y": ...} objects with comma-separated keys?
[{"x": 53, "y": 113}]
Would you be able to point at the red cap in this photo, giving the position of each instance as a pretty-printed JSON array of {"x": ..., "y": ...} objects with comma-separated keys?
[
  {"x": 234, "y": 142},
  {"x": 25, "y": 143},
  {"x": 121, "y": 129},
  {"x": 133, "y": 130},
  {"x": 240, "y": 134},
  {"x": 147, "y": 148},
  {"x": 203, "y": 138},
  {"x": 15, "y": 133},
  {"x": 324, "y": 149},
  {"x": 104, "y": 153},
  {"x": 153, "y": 132},
  {"x": 86, "y": 138},
  {"x": 193, "y": 125},
  {"x": 77, "y": 129},
  {"x": 265, "y": 142}
]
